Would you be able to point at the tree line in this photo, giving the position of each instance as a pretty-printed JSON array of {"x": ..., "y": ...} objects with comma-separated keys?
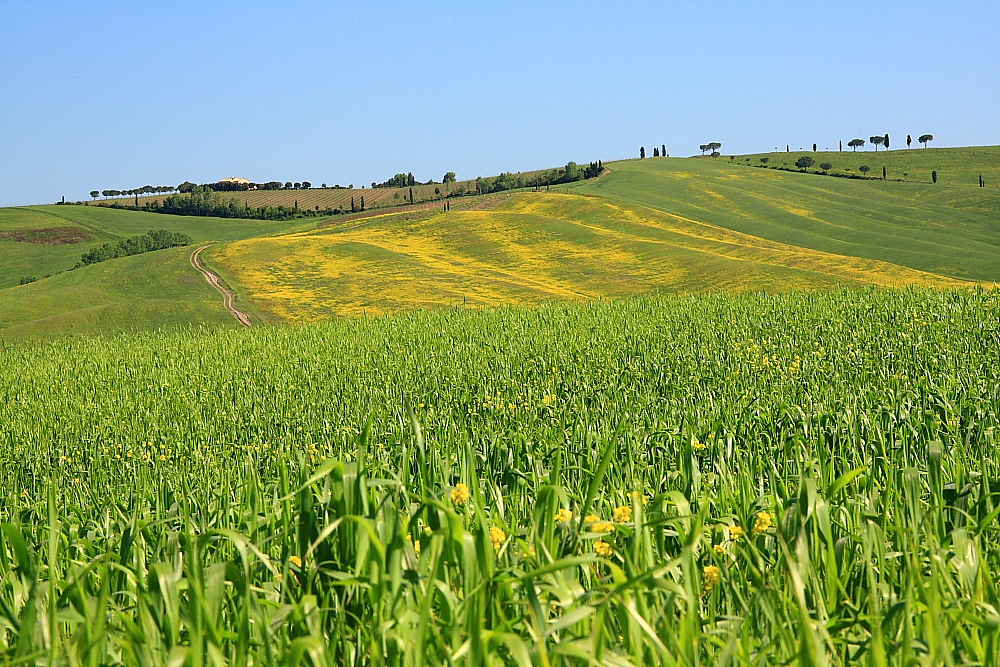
[
  {"x": 205, "y": 202},
  {"x": 507, "y": 181},
  {"x": 135, "y": 245},
  {"x": 883, "y": 140}
]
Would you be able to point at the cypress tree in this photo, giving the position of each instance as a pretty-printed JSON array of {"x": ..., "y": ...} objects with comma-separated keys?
[
  {"x": 362, "y": 202},
  {"x": 642, "y": 152},
  {"x": 841, "y": 145},
  {"x": 934, "y": 177},
  {"x": 663, "y": 150},
  {"x": 885, "y": 142},
  {"x": 883, "y": 172},
  {"x": 814, "y": 148},
  {"x": 411, "y": 195},
  {"x": 353, "y": 209}
]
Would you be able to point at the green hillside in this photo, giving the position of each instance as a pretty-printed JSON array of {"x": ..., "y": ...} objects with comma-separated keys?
[
  {"x": 954, "y": 166},
  {"x": 42, "y": 240},
  {"x": 951, "y": 230},
  {"x": 143, "y": 292}
]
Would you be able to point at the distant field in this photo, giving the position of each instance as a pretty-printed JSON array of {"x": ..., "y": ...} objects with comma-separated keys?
[
  {"x": 140, "y": 293},
  {"x": 535, "y": 247},
  {"x": 943, "y": 229},
  {"x": 324, "y": 198},
  {"x": 955, "y": 166}
]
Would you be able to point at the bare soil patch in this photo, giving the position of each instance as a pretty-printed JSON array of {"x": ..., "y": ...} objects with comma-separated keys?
[{"x": 47, "y": 236}]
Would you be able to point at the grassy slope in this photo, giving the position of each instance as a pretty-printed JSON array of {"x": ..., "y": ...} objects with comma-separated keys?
[
  {"x": 949, "y": 230},
  {"x": 103, "y": 225},
  {"x": 532, "y": 248},
  {"x": 143, "y": 292},
  {"x": 955, "y": 166}
]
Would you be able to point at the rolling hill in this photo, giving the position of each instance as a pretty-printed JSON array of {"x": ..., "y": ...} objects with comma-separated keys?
[
  {"x": 139, "y": 293},
  {"x": 670, "y": 225}
]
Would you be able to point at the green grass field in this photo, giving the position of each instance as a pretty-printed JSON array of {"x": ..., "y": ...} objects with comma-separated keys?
[
  {"x": 143, "y": 292},
  {"x": 955, "y": 166},
  {"x": 945, "y": 229},
  {"x": 94, "y": 226},
  {"x": 802, "y": 479}
]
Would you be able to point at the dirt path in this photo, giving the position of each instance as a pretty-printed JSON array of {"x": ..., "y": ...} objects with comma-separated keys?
[{"x": 216, "y": 282}]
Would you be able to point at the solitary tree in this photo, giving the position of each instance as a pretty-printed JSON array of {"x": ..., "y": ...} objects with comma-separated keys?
[
  {"x": 841, "y": 145},
  {"x": 95, "y": 193},
  {"x": 885, "y": 141},
  {"x": 934, "y": 177},
  {"x": 764, "y": 160},
  {"x": 826, "y": 166},
  {"x": 642, "y": 152},
  {"x": 864, "y": 169},
  {"x": 804, "y": 162},
  {"x": 883, "y": 172},
  {"x": 925, "y": 138},
  {"x": 814, "y": 148},
  {"x": 703, "y": 147},
  {"x": 855, "y": 143},
  {"x": 909, "y": 140},
  {"x": 714, "y": 147},
  {"x": 663, "y": 150},
  {"x": 876, "y": 141},
  {"x": 449, "y": 177}
]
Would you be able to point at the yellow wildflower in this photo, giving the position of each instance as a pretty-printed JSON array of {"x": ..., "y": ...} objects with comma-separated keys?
[
  {"x": 459, "y": 494},
  {"x": 762, "y": 523},
  {"x": 719, "y": 550},
  {"x": 497, "y": 536},
  {"x": 622, "y": 514},
  {"x": 602, "y": 527},
  {"x": 602, "y": 548},
  {"x": 698, "y": 446},
  {"x": 735, "y": 533},
  {"x": 591, "y": 518},
  {"x": 295, "y": 560},
  {"x": 711, "y": 576},
  {"x": 563, "y": 515}
]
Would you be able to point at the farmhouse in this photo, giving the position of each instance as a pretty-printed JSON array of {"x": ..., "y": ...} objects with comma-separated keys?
[{"x": 235, "y": 181}]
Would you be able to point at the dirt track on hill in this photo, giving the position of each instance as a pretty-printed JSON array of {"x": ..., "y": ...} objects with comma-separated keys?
[{"x": 215, "y": 281}]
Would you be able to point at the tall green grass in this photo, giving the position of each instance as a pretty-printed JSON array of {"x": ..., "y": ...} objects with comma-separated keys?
[{"x": 803, "y": 479}]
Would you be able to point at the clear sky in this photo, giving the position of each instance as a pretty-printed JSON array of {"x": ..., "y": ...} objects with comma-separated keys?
[{"x": 98, "y": 95}]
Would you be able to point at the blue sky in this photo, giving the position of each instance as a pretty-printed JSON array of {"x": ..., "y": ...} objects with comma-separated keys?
[{"x": 117, "y": 95}]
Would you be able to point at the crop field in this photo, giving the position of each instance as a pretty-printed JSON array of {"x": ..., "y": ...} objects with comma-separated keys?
[
  {"x": 798, "y": 479},
  {"x": 533, "y": 247}
]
